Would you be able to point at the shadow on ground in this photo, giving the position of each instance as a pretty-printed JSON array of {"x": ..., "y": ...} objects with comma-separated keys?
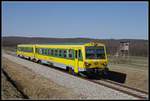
[
  {"x": 117, "y": 76},
  {"x": 111, "y": 75}
]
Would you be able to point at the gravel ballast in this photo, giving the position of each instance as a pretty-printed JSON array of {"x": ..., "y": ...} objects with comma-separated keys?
[{"x": 86, "y": 89}]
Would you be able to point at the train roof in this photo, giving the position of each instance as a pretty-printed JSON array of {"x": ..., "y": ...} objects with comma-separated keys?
[{"x": 65, "y": 43}]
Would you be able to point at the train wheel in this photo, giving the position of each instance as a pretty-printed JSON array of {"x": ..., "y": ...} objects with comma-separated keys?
[
  {"x": 105, "y": 73},
  {"x": 39, "y": 61},
  {"x": 29, "y": 58},
  {"x": 33, "y": 60},
  {"x": 71, "y": 71}
]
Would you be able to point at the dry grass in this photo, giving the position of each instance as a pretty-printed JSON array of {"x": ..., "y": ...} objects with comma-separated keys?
[
  {"x": 135, "y": 62},
  {"x": 35, "y": 86},
  {"x": 8, "y": 90},
  {"x": 136, "y": 69},
  {"x": 136, "y": 78}
]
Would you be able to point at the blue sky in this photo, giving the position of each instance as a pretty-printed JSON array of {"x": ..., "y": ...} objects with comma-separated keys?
[{"x": 102, "y": 20}]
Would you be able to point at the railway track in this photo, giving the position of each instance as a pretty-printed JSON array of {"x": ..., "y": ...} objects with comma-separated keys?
[
  {"x": 113, "y": 85},
  {"x": 138, "y": 90},
  {"x": 119, "y": 87},
  {"x": 128, "y": 90}
]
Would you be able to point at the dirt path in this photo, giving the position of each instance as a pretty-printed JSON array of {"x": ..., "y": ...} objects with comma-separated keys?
[{"x": 33, "y": 85}]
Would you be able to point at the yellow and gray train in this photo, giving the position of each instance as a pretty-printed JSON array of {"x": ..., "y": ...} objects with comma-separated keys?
[{"x": 87, "y": 57}]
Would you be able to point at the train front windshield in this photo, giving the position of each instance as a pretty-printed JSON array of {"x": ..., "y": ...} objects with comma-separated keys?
[{"x": 95, "y": 52}]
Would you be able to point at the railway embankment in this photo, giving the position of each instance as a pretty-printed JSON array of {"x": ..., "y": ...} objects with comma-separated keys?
[
  {"x": 25, "y": 84},
  {"x": 77, "y": 88}
]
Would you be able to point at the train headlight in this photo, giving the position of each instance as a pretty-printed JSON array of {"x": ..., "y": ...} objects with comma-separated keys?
[
  {"x": 96, "y": 63},
  {"x": 104, "y": 64},
  {"x": 87, "y": 64}
]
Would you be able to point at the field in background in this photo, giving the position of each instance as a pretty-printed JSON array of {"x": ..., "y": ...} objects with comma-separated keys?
[
  {"x": 131, "y": 61},
  {"x": 13, "y": 49}
]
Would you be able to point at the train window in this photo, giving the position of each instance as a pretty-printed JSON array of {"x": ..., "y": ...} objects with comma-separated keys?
[
  {"x": 95, "y": 52},
  {"x": 49, "y": 51},
  {"x": 40, "y": 51},
  {"x": 52, "y": 52},
  {"x": 18, "y": 48},
  {"x": 24, "y": 49},
  {"x": 76, "y": 54},
  {"x": 21, "y": 49},
  {"x": 43, "y": 51},
  {"x": 46, "y": 51},
  {"x": 56, "y": 52},
  {"x": 28, "y": 49},
  {"x": 36, "y": 50},
  {"x": 80, "y": 54},
  {"x": 60, "y": 52},
  {"x": 31, "y": 49},
  {"x": 70, "y": 53},
  {"x": 65, "y": 53}
]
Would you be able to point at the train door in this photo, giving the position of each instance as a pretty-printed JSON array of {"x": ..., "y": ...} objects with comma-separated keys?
[{"x": 76, "y": 61}]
